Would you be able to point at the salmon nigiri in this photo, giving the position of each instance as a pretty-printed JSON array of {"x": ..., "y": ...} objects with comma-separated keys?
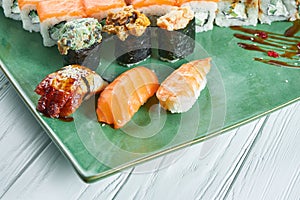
[
  {"x": 181, "y": 89},
  {"x": 122, "y": 98}
]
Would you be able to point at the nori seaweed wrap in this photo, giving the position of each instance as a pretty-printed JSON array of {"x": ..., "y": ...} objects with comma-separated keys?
[
  {"x": 133, "y": 38},
  {"x": 134, "y": 49},
  {"x": 79, "y": 42},
  {"x": 176, "y": 41}
]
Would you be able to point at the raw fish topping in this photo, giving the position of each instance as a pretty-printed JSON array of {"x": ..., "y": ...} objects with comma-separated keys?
[
  {"x": 125, "y": 22},
  {"x": 176, "y": 19},
  {"x": 79, "y": 34}
]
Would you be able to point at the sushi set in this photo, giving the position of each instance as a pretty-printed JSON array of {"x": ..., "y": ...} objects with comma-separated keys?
[{"x": 116, "y": 83}]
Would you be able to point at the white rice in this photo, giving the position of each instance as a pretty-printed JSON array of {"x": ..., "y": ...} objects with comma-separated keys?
[
  {"x": 156, "y": 10},
  {"x": 267, "y": 16},
  {"x": 9, "y": 12},
  {"x": 291, "y": 6},
  {"x": 249, "y": 17},
  {"x": 205, "y": 13},
  {"x": 27, "y": 22}
]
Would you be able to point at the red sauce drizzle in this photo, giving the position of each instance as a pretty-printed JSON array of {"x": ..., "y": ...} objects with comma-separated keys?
[{"x": 285, "y": 46}]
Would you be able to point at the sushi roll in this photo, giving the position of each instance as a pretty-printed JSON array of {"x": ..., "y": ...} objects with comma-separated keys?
[
  {"x": 79, "y": 42},
  {"x": 122, "y": 98},
  {"x": 205, "y": 12},
  {"x": 100, "y": 9},
  {"x": 276, "y": 10},
  {"x": 133, "y": 38},
  {"x": 11, "y": 9},
  {"x": 237, "y": 13},
  {"x": 180, "y": 90},
  {"x": 293, "y": 8},
  {"x": 176, "y": 34},
  {"x": 153, "y": 8},
  {"x": 29, "y": 16},
  {"x": 54, "y": 14}
]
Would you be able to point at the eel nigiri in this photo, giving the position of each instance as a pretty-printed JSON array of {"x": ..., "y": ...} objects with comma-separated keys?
[
  {"x": 63, "y": 91},
  {"x": 122, "y": 98},
  {"x": 180, "y": 90}
]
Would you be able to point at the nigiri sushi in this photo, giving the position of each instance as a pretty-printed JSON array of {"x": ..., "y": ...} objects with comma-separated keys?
[
  {"x": 122, "y": 98},
  {"x": 205, "y": 12},
  {"x": 133, "y": 38},
  {"x": 237, "y": 13},
  {"x": 180, "y": 90},
  {"x": 29, "y": 16},
  {"x": 176, "y": 34},
  {"x": 11, "y": 9},
  {"x": 100, "y": 9},
  {"x": 63, "y": 91},
  {"x": 53, "y": 14},
  {"x": 79, "y": 40}
]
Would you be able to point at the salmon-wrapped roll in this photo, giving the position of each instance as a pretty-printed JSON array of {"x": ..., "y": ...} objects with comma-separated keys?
[
  {"x": 53, "y": 14},
  {"x": 122, "y": 98},
  {"x": 181, "y": 89},
  {"x": 63, "y": 91}
]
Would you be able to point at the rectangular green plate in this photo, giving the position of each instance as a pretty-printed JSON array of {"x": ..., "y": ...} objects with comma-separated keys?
[{"x": 239, "y": 89}]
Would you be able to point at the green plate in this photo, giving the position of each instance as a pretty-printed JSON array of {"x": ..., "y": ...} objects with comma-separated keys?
[{"x": 239, "y": 89}]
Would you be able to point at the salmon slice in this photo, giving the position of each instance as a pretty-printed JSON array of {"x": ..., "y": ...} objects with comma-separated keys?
[
  {"x": 122, "y": 98},
  {"x": 145, "y": 3},
  {"x": 100, "y": 9},
  {"x": 22, "y": 3},
  {"x": 180, "y": 2},
  {"x": 181, "y": 89},
  {"x": 60, "y": 8}
]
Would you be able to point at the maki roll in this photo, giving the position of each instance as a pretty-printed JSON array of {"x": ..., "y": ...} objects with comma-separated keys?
[
  {"x": 237, "y": 13},
  {"x": 133, "y": 39},
  {"x": 53, "y": 14},
  {"x": 176, "y": 34},
  {"x": 79, "y": 41},
  {"x": 205, "y": 12},
  {"x": 29, "y": 16},
  {"x": 153, "y": 8},
  {"x": 100, "y": 9},
  {"x": 11, "y": 9},
  {"x": 276, "y": 10}
]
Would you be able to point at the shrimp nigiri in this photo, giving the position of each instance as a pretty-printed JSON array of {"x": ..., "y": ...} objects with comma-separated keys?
[{"x": 181, "y": 89}]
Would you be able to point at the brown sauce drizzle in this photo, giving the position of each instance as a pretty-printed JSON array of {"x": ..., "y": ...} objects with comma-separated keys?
[
  {"x": 290, "y": 32},
  {"x": 66, "y": 119},
  {"x": 286, "y": 46}
]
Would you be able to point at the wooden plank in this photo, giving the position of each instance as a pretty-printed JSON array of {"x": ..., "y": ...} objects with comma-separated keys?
[
  {"x": 199, "y": 173},
  {"x": 272, "y": 169},
  {"x": 21, "y": 137}
]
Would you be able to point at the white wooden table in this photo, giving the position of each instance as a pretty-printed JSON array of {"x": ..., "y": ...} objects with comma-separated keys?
[{"x": 260, "y": 160}]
